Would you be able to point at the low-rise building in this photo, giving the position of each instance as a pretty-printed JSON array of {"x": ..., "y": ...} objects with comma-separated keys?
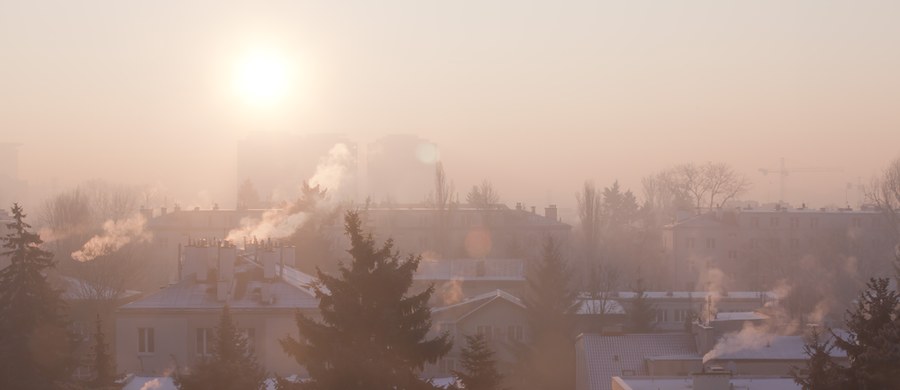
[
  {"x": 498, "y": 315},
  {"x": 173, "y": 328}
]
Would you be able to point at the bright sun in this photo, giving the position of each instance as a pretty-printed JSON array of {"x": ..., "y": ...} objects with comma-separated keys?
[{"x": 261, "y": 78}]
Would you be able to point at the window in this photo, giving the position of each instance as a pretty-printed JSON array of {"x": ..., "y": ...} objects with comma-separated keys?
[
  {"x": 754, "y": 243},
  {"x": 732, "y": 255},
  {"x": 710, "y": 243},
  {"x": 204, "y": 341},
  {"x": 813, "y": 223},
  {"x": 795, "y": 243},
  {"x": 690, "y": 242},
  {"x": 795, "y": 222},
  {"x": 755, "y": 221},
  {"x": 146, "y": 342},
  {"x": 857, "y": 222},
  {"x": 514, "y": 333},
  {"x": 662, "y": 315},
  {"x": 774, "y": 221}
]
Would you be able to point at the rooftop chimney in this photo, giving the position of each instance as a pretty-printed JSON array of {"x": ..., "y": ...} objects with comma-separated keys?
[
  {"x": 227, "y": 257},
  {"x": 269, "y": 258},
  {"x": 195, "y": 262},
  {"x": 550, "y": 212}
]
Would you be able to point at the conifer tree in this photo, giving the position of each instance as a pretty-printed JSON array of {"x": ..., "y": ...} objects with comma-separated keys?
[
  {"x": 548, "y": 361},
  {"x": 642, "y": 311},
  {"x": 873, "y": 344},
  {"x": 821, "y": 372},
  {"x": 479, "y": 367},
  {"x": 36, "y": 349},
  {"x": 103, "y": 369},
  {"x": 372, "y": 333},
  {"x": 232, "y": 366}
]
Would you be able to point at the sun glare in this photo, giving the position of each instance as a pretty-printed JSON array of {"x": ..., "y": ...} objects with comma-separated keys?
[{"x": 261, "y": 78}]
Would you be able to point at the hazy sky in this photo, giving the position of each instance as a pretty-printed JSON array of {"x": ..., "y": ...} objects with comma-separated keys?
[{"x": 536, "y": 96}]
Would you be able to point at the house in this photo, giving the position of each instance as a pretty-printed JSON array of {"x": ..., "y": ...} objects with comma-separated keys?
[
  {"x": 706, "y": 381},
  {"x": 171, "y": 329},
  {"x": 498, "y": 315}
]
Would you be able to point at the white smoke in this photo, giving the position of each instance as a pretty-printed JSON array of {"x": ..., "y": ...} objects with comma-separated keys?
[
  {"x": 715, "y": 285},
  {"x": 116, "y": 234},
  {"x": 749, "y": 337},
  {"x": 451, "y": 292},
  {"x": 331, "y": 173}
]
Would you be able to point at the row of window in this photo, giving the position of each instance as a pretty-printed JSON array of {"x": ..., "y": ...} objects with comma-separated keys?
[
  {"x": 813, "y": 222},
  {"x": 512, "y": 333}
]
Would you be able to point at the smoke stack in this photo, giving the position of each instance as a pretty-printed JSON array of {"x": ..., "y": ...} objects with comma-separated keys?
[
  {"x": 715, "y": 378},
  {"x": 269, "y": 258},
  {"x": 288, "y": 256},
  {"x": 195, "y": 262},
  {"x": 212, "y": 256},
  {"x": 550, "y": 212},
  {"x": 227, "y": 257}
]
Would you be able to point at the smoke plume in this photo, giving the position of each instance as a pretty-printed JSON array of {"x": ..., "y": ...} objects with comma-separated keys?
[
  {"x": 331, "y": 173},
  {"x": 451, "y": 292},
  {"x": 116, "y": 234}
]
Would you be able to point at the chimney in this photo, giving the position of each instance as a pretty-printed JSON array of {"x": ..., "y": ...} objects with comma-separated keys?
[
  {"x": 163, "y": 210},
  {"x": 195, "y": 262},
  {"x": 704, "y": 336},
  {"x": 227, "y": 257},
  {"x": 550, "y": 212},
  {"x": 288, "y": 256},
  {"x": 714, "y": 378},
  {"x": 212, "y": 256},
  {"x": 533, "y": 210},
  {"x": 269, "y": 258}
]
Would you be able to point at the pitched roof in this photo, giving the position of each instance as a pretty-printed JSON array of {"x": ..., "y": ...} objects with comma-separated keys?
[
  {"x": 771, "y": 348},
  {"x": 289, "y": 292},
  {"x": 608, "y": 356},
  {"x": 469, "y": 305}
]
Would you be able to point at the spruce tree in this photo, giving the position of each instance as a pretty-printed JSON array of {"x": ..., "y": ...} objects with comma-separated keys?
[
  {"x": 821, "y": 372},
  {"x": 873, "y": 344},
  {"x": 232, "y": 366},
  {"x": 548, "y": 361},
  {"x": 643, "y": 312},
  {"x": 479, "y": 367},
  {"x": 103, "y": 369},
  {"x": 372, "y": 332},
  {"x": 36, "y": 349}
]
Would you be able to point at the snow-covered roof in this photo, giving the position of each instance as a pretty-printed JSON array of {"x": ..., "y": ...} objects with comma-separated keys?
[
  {"x": 771, "y": 348},
  {"x": 696, "y": 295},
  {"x": 608, "y": 356},
  {"x": 482, "y": 299},
  {"x": 150, "y": 383},
  {"x": 75, "y": 289},
  {"x": 686, "y": 383},
  {"x": 739, "y": 316}
]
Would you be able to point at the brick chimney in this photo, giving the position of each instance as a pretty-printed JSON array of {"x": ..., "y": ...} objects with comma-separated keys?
[{"x": 551, "y": 212}]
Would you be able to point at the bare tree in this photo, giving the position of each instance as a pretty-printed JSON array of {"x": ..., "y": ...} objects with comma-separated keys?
[
  {"x": 483, "y": 196},
  {"x": 441, "y": 200},
  {"x": 602, "y": 287},
  {"x": 590, "y": 209},
  {"x": 707, "y": 186},
  {"x": 723, "y": 183}
]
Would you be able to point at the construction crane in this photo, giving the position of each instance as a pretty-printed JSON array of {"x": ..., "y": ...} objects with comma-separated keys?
[{"x": 783, "y": 173}]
